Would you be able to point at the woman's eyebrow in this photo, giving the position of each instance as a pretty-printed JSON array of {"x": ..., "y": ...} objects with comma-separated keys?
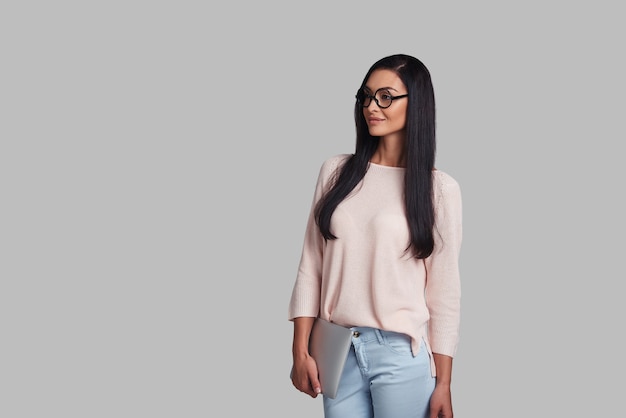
[{"x": 382, "y": 88}]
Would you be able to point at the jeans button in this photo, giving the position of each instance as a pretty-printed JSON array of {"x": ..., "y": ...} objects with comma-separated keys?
[{"x": 356, "y": 334}]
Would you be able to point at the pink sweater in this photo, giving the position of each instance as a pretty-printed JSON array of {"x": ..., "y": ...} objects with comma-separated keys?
[{"x": 364, "y": 278}]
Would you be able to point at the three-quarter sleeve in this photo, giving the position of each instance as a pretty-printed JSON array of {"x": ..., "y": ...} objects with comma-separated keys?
[
  {"x": 305, "y": 297},
  {"x": 443, "y": 287}
]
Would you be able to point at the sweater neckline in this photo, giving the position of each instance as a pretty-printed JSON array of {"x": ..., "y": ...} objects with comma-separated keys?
[
  {"x": 386, "y": 167},
  {"x": 393, "y": 168}
]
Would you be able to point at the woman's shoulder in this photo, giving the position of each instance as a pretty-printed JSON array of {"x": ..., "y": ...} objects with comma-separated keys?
[
  {"x": 331, "y": 164},
  {"x": 443, "y": 179},
  {"x": 336, "y": 160},
  {"x": 445, "y": 185}
]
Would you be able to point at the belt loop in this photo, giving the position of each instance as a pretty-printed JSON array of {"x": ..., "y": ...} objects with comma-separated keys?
[{"x": 379, "y": 336}]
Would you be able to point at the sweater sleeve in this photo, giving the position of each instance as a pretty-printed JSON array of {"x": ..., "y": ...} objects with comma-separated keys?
[
  {"x": 305, "y": 296},
  {"x": 443, "y": 288}
]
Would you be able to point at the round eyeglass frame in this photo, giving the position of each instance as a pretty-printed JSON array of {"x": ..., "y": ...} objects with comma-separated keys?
[{"x": 363, "y": 97}]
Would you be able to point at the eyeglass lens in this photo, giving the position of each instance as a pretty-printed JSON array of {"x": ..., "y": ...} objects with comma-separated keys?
[{"x": 383, "y": 98}]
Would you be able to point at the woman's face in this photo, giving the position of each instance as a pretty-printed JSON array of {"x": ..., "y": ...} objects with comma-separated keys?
[{"x": 390, "y": 121}]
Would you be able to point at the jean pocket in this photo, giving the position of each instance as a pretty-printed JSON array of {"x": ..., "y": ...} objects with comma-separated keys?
[{"x": 398, "y": 343}]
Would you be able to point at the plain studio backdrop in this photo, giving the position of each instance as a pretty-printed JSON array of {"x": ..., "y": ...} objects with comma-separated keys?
[{"x": 158, "y": 161}]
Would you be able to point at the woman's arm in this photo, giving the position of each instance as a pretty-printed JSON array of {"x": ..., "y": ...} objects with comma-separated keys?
[
  {"x": 304, "y": 374},
  {"x": 441, "y": 399}
]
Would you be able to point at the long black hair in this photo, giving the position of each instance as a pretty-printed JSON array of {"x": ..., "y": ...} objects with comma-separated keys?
[{"x": 420, "y": 156}]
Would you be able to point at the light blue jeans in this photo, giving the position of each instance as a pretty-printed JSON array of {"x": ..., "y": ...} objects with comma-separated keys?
[{"x": 382, "y": 378}]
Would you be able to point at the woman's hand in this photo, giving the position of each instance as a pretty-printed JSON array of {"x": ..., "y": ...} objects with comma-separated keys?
[
  {"x": 304, "y": 376},
  {"x": 441, "y": 402},
  {"x": 441, "y": 399}
]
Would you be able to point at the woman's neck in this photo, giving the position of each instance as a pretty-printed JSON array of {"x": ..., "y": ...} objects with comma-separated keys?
[{"x": 389, "y": 153}]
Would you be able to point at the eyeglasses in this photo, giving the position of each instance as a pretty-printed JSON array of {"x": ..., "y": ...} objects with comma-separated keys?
[{"x": 382, "y": 97}]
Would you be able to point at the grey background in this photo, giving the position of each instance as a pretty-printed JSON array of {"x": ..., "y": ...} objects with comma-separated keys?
[{"x": 157, "y": 163}]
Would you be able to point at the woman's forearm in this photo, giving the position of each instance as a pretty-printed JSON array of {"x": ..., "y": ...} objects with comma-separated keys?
[
  {"x": 301, "y": 332},
  {"x": 443, "y": 364}
]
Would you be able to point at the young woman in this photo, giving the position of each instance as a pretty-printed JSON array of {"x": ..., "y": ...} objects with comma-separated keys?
[{"x": 380, "y": 256}]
